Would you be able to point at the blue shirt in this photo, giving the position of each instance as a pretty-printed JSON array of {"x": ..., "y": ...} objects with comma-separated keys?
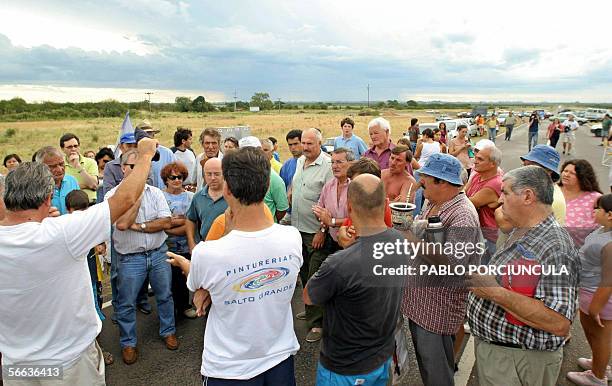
[
  {"x": 276, "y": 156},
  {"x": 355, "y": 143},
  {"x": 166, "y": 156},
  {"x": 68, "y": 184},
  {"x": 178, "y": 204},
  {"x": 203, "y": 210},
  {"x": 288, "y": 170}
]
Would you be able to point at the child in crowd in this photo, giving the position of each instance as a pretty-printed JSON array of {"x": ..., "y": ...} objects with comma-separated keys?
[
  {"x": 78, "y": 200},
  {"x": 595, "y": 297}
]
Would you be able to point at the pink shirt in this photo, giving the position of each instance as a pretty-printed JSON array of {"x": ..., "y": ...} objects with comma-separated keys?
[
  {"x": 337, "y": 207},
  {"x": 486, "y": 215},
  {"x": 383, "y": 158},
  {"x": 579, "y": 211}
]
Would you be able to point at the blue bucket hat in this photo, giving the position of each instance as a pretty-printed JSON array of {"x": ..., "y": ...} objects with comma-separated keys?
[
  {"x": 443, "y": 166},
  {"x": 545, "y": 156},
  {"x": 127, "y": 138}
]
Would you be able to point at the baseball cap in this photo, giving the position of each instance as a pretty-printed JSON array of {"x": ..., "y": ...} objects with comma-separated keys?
[
  {"x": 127, "y": 138},
  {"x": 545, "y": 156},
  {"x": 483, "y": 144},
  {"x": 249, "y": 141},
  {"x": 443, "y": 166},
  {"x": 145, "y": 125}
]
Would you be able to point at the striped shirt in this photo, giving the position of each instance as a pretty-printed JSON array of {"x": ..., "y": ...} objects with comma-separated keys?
[
  {"x": 437, "y": 303},
  {"x": 551, "y": 245},
  {"x": 152, "y": 207}
]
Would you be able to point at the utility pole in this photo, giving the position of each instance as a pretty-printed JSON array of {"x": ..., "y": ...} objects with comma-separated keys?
[
  {"x": 368, "y": 95},
  {"x": 279, "y": 105},
  {"x": 235, "y": 100},
  {"x": 149, "y": 93}
]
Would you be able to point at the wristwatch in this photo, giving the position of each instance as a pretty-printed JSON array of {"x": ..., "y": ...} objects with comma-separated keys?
[
  {"x": 323, "y": 230},
  {"x": 143, "y": 226}
]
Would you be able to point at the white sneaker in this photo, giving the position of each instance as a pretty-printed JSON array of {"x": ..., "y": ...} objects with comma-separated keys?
[
  {"x": 466, "y": 328},
  {"x": 587, "y": 364},
  {"x": 586, "y": 378}
]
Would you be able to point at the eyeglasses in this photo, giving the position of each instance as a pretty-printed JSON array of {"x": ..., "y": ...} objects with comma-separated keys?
[
  {"x": 174, "y": 178},
  {"x": 130, "y": 165},
  {"x": 338, "y": 162}
]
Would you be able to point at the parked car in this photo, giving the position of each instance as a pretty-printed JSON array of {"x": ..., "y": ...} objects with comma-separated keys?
[
  {"x": 501, "y": 118},
  {"x": 596, "y": 129},
  {"x": 328, "y": 145},
  {"x": 442, "y": 117},
  {"x": 565, "y": 115},
  {"x": 595, "y": 114}
]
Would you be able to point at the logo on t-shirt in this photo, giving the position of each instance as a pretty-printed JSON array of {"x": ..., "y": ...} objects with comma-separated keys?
[{"x": 259, "y": 279}]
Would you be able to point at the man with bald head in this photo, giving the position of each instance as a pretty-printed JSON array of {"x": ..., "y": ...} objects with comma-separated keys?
[
  {"x": 207, "y": 204},
  {"x": 312, "y": 171},
  {"x": 362, "y": 303}
]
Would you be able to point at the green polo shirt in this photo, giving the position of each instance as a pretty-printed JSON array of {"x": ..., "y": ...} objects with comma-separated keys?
[
  {"x": 90, "y": 166},
  {"x": 276, "y": 196},
  {"x": 306, "y": 188}
]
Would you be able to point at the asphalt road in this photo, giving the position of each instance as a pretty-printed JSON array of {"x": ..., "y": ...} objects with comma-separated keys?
[{"x": 158, "y": 366}]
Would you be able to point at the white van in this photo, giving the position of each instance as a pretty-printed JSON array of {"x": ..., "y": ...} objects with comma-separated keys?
[{"x": 595, "y": 114}]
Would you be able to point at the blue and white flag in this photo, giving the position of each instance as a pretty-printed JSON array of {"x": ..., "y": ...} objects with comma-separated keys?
[{"x": 126, "y": 127}]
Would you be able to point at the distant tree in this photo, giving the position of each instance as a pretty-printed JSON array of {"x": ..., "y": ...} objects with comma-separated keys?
[
  {"x": 183, "y": 104},
  {"x": 262, "y": 100},
  {"x": 412, "y": 103},
  {"x": 199, "y": 104}
]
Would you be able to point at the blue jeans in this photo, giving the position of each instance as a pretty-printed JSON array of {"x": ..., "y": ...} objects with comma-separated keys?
[
  {"x": 142, "y": 300},
  {"x": 377, "y": 377},
  {"x": 492, "y": 134},
  {"x": 134, "y": 268},
  {"x": 533, "y": 139}
]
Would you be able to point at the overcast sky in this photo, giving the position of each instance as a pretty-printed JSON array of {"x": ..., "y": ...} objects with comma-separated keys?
[{"x": 306, "y": 50}]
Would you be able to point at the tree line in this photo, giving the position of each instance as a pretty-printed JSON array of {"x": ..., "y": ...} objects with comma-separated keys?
[{"x": 17, "y": 109}]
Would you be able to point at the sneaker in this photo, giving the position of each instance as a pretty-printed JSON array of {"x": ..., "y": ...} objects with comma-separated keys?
[
  {"x": 301, "y": 316},
  {"x": 190, "y": 313},
  {"x": 314, "y": 335},
  {"x": 587, "y": 364},
  {"x": 586, "y": 378},
  {"x": 466, "y": 328}
]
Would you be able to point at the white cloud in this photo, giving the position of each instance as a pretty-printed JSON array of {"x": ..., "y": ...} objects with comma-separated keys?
[{"x": 38, "y": 93}]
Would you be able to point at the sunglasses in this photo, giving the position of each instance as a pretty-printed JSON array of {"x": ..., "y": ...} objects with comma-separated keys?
[
  {"x": 130, "y": 165},
  {"x": 106, "y": 160},
  {"x": 174, "y": 178}
]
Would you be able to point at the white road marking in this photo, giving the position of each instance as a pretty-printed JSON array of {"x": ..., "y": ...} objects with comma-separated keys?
[{"x": 466, "y": 363}]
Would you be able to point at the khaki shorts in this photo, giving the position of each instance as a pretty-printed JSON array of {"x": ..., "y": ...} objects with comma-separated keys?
[
  {"x": 516, "y": 366},
  {"x": 87, "y": 370}
]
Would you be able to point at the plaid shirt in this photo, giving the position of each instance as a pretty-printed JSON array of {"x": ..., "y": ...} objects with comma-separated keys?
[
  {"x": 551, "y": 245},
  {"x": 438, "y": 303}
]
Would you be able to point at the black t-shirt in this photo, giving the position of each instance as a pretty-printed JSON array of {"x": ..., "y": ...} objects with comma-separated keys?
[
  {"x": 361, "y": 309},
  {"x": 533, "y": 125}
]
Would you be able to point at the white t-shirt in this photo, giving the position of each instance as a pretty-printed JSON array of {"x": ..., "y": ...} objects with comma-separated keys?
[
  {"x": 47, "y": 311},
  {"x": 251, "y": 279},
  {"x": 572, "y": 125},
  {"x": 188, "y": 159}
]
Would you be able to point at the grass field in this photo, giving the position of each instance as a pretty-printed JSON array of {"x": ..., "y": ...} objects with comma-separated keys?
[{"x": 24, "y": 138}]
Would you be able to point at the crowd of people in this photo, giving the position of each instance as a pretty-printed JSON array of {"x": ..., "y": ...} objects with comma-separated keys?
[{"x": 231, "y": 233}]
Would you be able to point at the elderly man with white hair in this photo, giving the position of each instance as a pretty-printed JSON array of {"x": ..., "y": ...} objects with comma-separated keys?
[
  {"x": 484, "y": 189},
  {"x": 380, "y": 135},
  {"x": 312, "y": 172}
]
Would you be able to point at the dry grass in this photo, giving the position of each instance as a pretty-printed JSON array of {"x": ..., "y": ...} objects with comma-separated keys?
[{"x": 95, "y": 133}]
